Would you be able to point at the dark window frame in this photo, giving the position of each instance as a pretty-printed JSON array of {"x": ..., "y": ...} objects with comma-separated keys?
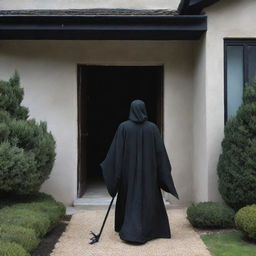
[{"x": 236, "y": 42}]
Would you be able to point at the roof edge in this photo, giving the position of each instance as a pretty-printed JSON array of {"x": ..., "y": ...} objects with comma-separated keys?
[
  {"x": 108, "y": 27},
  {"x": 194, "y": 7},
  {"x": 91, "y": 11}
]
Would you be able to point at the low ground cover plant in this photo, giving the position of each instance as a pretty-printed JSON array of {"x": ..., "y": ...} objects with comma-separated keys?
[
  {"x": 207, "y": 215},
  {"x": 25, "y": 237},
  {"x": 53, "y": 210},
  {"x": 25, "y": 218},
  {"x": 12, "y": 249},
  {"x": 23, "y": 223}
]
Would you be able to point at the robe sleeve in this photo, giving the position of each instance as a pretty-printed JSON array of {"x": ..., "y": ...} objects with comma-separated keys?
[
  {"x": 163, "y": 166},
  {"x": 112, "y": 165}
]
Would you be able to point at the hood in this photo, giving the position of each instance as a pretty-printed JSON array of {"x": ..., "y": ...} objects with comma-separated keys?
[{"x": 138, "y": 111}]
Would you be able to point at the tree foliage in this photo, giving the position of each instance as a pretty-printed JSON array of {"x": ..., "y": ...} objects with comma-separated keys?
[
  {"x": 237, "y": 163},
  {"x": 27, "y": 149}
]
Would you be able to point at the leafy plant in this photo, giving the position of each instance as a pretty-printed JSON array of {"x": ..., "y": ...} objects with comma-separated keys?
[
  {"x": 24, "y": 236},
  {"x": 27, "y": 149},
  {"x": 37, "y": 221},
  {"x": 54, "y": 210},
  {"x": 210, "y": 215},
  {"x": 245, "y": 221},
  {"x": 12, "y": 249},
  {"x": 237, "y": 163},
  {"x": 24, "y": 220}
]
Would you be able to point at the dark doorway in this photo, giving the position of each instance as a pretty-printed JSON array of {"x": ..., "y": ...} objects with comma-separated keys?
[{"x": 104, "y": 97}]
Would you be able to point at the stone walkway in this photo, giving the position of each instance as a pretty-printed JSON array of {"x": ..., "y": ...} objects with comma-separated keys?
[{"x": 75, "y": 241}]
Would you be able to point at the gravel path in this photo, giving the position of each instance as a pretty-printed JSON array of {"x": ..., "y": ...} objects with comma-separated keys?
[{"x": 75, "y": 241}]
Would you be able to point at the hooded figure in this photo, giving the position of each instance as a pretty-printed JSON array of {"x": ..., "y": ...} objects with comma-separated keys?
[{"x": 136, "y": 167}]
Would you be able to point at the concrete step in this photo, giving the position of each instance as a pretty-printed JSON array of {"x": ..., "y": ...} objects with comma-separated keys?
[
  {"x": 84, "y": 202},
  {"x": 95, "y": 201}
]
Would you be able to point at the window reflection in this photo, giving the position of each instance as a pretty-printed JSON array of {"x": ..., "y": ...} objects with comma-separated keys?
[
  {"x": 251, "y": 63},
  {"x": 235, "y": 78}
]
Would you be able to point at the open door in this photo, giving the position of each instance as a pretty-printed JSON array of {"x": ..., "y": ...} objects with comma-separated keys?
[
  {"x": 104, "y": 97},
  {"x": 82, "y": 132}
]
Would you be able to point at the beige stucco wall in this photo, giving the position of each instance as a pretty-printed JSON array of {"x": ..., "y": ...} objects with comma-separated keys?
[
  {"x": 48, "y": 71},
  {"x": 226, "y": 19},
  {"x": 200, "y": 157},
  {"x": 78, "y": 4}
]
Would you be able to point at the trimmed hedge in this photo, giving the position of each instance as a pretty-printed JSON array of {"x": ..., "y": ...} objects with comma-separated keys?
[
  {"x": 12, "y": 249},
  {"x": 23, "y": 236},
  {"x": 25, "y": 218},
  {"x": 23, "y": 222},
  {"x": 207, "y": 215},
  {"x": 7, "y": 199},
  {"x": 245, "y": 221},
  {"x": 53, "y": 210}
]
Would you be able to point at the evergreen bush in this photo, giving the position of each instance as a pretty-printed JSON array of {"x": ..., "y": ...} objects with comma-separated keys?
[
  {"x": 37, "y": 221},
  {"x": 12, "y": 249},
  {"x": 237, "y": 163},
  {"x": 12, "y": 199},
  {"x": 245, "y": 221},
  {"x": 23, "y": 236},
  {"x": 27, "y": 149},
  {"x": 207, "y": 215},
  {"x": 54, "y": 210},
  {"x": 26, "y": 219}
]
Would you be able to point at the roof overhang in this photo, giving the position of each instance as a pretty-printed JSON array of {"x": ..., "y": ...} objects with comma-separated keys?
[
  {"x": 102, "y": 27},
  {"x": 194, "y": 6}
]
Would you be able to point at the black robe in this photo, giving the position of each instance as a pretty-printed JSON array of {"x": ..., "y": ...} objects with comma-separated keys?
[{"x": 136, "y": 167}]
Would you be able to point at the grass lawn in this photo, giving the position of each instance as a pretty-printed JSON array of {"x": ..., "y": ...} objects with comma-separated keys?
[{"x": 229, "y": 244}]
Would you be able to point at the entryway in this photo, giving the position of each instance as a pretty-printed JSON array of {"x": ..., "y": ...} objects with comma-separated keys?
[{"x": 104, "y": 97}]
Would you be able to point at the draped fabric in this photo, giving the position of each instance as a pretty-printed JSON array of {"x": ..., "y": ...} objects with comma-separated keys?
[{"x": 136, "y": 168}]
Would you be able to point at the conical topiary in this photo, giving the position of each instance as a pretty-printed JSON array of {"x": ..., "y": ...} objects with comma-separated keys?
[
  {"x": 27, "y": 149},
  {"x": 237, "y": 163}
]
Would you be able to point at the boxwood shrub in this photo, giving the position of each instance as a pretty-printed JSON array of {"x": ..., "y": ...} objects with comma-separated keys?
[
  {"x": 25, "y": 218},
  {"x": 7, "y": 199},
  {"x": 245, "y": 220},
  {"x": 12, "y": 249},
  {"x": 25, "y": 237},
  {"x": 53, "y": 210},
  {"x": 207, "y": 215}
]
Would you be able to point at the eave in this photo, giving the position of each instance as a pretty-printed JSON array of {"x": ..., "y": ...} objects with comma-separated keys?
[
  {"x": 102, "y": 27},
  {"x": 194, "y": 6}
]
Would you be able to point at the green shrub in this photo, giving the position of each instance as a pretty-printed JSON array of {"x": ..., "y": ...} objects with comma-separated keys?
[
  {"x": 11, "y": 98},
  {"x": 27, "y": 149},
  {"x": 53, "y": 210},
  {"x": 37, "y": 221},
  {"x": 210, "y": 215},
  {"x": 23, "y": 236},
  {"x": 26, "y": 219},
  {"x": 7, "y": 199},
  {"x": 11, "y": 249},
  {"x": 237, "y": 163},
  {"x": 245, "y": 220},
  {"x": 35, "y": 197}
]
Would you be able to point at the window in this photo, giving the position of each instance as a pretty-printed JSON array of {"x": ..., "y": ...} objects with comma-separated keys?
[{"x": 240, "y": 68}]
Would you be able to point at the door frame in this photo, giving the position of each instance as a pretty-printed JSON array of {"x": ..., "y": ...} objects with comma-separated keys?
[{"x": 80, "y": 102}]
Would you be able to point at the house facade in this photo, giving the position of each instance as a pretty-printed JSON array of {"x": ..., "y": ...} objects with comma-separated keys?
[{"x": 188, "y": 65}]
